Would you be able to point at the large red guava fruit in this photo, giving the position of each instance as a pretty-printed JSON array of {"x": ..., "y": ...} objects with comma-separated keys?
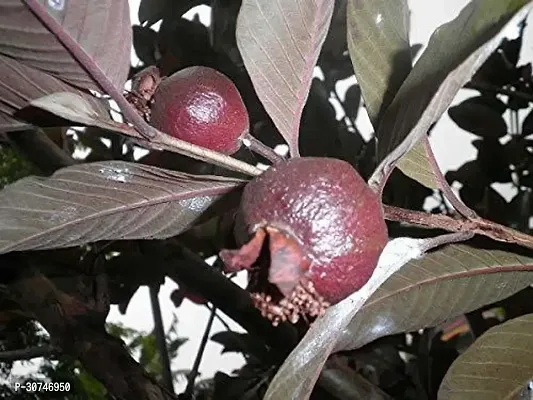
[{"x": 317, "y": 231}]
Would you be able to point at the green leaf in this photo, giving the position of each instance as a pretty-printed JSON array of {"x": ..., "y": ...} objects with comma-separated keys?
[
  {"x": 280, "y": 42},
  {"x": 497, "y": 366},
  {"x": 455, "y": 52},
  {"x": 417, "y": 163},
  {"x": 378, "y": 42}
]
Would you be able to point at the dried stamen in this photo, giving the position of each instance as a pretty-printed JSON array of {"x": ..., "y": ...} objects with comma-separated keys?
[{"x": 302, "y": 301}]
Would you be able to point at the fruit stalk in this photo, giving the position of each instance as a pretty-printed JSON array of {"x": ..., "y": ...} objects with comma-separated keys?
[{"x": 262, "y": 149}]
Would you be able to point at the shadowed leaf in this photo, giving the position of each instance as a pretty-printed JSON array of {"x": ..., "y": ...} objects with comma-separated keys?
[
  {"x": 144, "y": 43},
  {"x": 497, "y": 366},
  {"x": 103, "y": 201},
  {"x": 280, "y": 42},
  {"x": 78, "y": 108},
  {"x": 454, "y": 53},
  {"x": 527, "y": 125},
  {"x": 102, "y": 28},
  {"x": 151, "y": 11},
  {"x": 21, "y": 84},
  {"x": 378, "y": 42},
  {"x": 239, "y": 343},
  {"x": 478, "y": 116},
  {"x": 352, "y": 101}
]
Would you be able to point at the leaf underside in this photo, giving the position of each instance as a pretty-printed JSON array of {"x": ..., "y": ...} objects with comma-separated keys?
[
  {"x": 103, "y": 201},
  {"x": 497, "y": 366},
  {"x": 378, "y": 42},
  {"x": 280, "y": 42},
  {"x": 449, "y": 282},
  {"x": 102, "y": 28}
]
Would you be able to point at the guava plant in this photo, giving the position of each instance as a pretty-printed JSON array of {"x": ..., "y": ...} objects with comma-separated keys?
[{"x": 338, "y": 249}]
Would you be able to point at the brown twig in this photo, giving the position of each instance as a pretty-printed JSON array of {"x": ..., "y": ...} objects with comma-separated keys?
[
  {"x": 188, "y": 395},
  {"x": 478, "y": 226},
  {"x": 159, "y": 331},
  {"x": 40, "y": 150},
  {"x": 167, "y": 142},
  {"x": 343, "y": 382},
  {"x": 262, "y": 149},
  {"x": 28, "y": 353}
]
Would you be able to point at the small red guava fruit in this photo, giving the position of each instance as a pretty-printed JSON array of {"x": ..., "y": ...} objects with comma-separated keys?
[
  {"x": 324, "y": 231},
  {"x": 201, "y": 106}
]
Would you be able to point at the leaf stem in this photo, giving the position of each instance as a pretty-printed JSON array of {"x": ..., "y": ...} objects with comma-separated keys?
[
  {"x": 448, "y": 238},
  {"x": 28, "y": 353},
  {"x": 219, "y": 318}
]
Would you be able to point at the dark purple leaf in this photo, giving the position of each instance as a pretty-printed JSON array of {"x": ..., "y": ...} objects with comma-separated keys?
[
  {"x": 33, "y": 62},
  {"x": 21, "y": 84},
  {"x": 102, "y": 28},
  {"x": 104, "y": 201}
]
